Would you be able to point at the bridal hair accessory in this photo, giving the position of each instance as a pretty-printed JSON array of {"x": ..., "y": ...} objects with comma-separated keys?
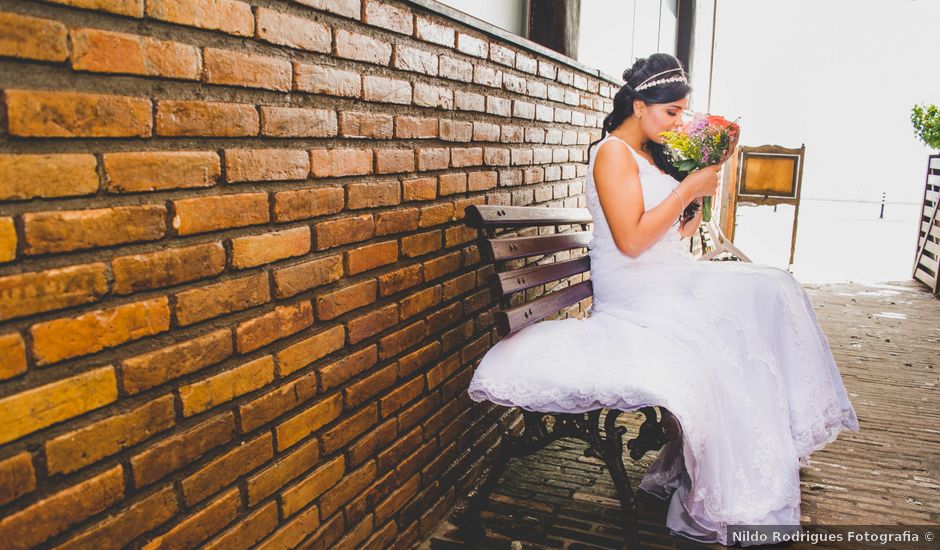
[{"x": 649, "y": 82}]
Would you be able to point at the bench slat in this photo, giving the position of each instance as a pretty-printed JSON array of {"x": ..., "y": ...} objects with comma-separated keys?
[
  {"x": 492, "y": 215},
  {"x": 514, "y": 319},
  {"x": 530, "y": 276},
  {"x": 508, "y": 248}
]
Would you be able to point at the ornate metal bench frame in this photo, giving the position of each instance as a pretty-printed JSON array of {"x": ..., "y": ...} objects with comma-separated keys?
[{"x": 604, "y": 440}]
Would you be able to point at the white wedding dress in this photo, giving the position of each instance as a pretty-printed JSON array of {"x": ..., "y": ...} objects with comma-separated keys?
[{"x": 732, "y": 349}]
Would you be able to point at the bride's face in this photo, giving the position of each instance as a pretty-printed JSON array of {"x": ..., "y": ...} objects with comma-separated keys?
[{"x": 657, "y": 118}]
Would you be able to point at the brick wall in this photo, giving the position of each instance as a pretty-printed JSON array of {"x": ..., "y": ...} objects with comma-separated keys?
[{"x": 237, "y": 302}]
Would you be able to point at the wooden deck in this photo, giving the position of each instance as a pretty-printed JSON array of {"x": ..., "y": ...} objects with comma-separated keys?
[{"x": 886, "y": 341}]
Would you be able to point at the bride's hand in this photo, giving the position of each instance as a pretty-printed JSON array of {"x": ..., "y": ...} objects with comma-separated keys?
[{"x": 703, "y": 182}]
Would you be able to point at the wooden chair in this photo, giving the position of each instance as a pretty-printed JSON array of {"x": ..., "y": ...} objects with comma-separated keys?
[{"x": 539, "y": 288}]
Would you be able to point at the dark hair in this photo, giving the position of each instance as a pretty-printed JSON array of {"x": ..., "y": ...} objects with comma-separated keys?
[{"x": 642, "y": 70}]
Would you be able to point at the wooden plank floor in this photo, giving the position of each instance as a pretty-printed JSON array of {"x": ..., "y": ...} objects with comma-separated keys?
[{"x": 886, "y": 341}]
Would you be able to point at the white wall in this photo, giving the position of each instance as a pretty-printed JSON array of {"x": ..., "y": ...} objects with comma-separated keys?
[
  {"x": 506, "y": 14},
  {"x": 615, "y": 32}
]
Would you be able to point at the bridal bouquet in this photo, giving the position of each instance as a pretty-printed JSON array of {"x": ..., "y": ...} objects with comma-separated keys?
[{"x": 705, "y": 140}]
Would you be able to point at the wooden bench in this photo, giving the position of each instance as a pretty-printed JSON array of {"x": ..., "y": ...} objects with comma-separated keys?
[{"x": 541, "y": 271}]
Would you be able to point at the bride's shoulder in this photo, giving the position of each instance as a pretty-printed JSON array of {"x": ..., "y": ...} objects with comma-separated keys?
[{"x": 613, "y": 157}]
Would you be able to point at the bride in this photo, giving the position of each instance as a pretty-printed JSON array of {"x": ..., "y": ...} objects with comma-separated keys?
[{"x": 733, "y": 350}]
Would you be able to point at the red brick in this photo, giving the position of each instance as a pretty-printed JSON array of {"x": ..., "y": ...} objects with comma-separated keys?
[
  {"x": 437, "y": 214},
  {"x": 297, "y": 122},
  {"x": 472, "y": 46},
  {"x": 211, "y": 213},
  {"x": 226, "y": 385},
  {"x": 336, "y": 373},
  {"x": 350, "y": 428},
  {"x": 459, "y": 234},
  {"x": 247, "y": 532},
  {"x": 481, "y": 181},
  {"x": 279, "y": 323},
  {"x": 296, "y": 530},
  {"x": 12, "y": 355},
  {"x": 433, "y": 159},
  {"x": 36, "y": 408},
  {"x": 60, "y": 339},
  {"x": 360, "y": 47},
  {"x": 389, "y": 17},
  {"x": 156, "y": 367},
  {"x": 122, "y": 528},
  {"x": 419, "y": 359},
  {"x": 405, "y": 445},
  {"x": 249, "y": 70},
  {"x": 469, "y": 101},
  {"x": 338, "y": 302},
  {"x": 420, "y": 301},
  {"x": 301, "y": 204},
  {"x": 230, "y": 16},
  {"x": 365, "y": 125},
  {"x": 390, "y": 161},
  {"x": 28, "y": 176},
  {"x": 462, "y": 71},
  {"x": 330, "y": 163},
  {"x": 415, "y": 60},
  {"x": 373, "y": 194},
  {"x": 294, "y": 279},
  {"x": 112, "y": 52},
  {"x": 167, "y": 267},
  {"x": 32, "y": 38},
  {"x": 379, "y": 89},
  {"x": 411, "y": 127},
  {"x": 420, "y": 244},
  {"x": 34, "y": 113},
  {"x": 87, "y": 445},
  {"x": 28, "y": 293},
  {"x": 220, "y": 298},
  {"x": 359, "y": 392},
  {"x": 198, "y": 527},
  {"x": 366, "y": 447},
  {"x": 344, "y": 231},
  {"x": 283, "y": 470},
  {"x": 439, "y": 97},
  {"x": 353, "y": 484},
  {"x": 206, "y": 119},
  {"x": 390, "y": 506},
  {"x": 312, "y": 486},
  {"x": 395, "y": 343},
  {"x": 455, "y": 182},
  {"x": 435, "y": 33},
  {"x": 17, "y": 477},
  {"x": 471, "y": 156},
  {"x": 371, "y": 256},
  {"x": 382, "y": 537},
  {"x": 181, "y": 449},
  {"x": 157, "y": 170},
  {"x": 299, "y": 355},
  {"x": 402, "y": 395},
  {"x": 445, "y": 317},
  {"x": 266, "y": 164},
  {"x": 396, "y": 221},
  {"x": 372, "y": 323},
  {"x": 318, "y": 79},
  {"x": 308, "y": 421},
  {"x": 66, "y": 230},
  {"x": 345, "y": 8},
  {"x": 459, "y": 285},
  {"x": 442, "y": 265},
  {"x": 133, "y": 8},
  {"x": 400, "y": 279},
  {"x": 292, "y": 31},
  {"x": 277, "y": 402},
  {"x": 226, "y": 469},
  {"x": 262, "y": 249},
  {"x": 45, "y": 519},
  {"x": 456, "y": 130},
  {"x": 419, "y": 189}
]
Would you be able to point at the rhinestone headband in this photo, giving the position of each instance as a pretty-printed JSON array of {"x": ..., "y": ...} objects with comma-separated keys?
[{"x": 649, "y": 82}]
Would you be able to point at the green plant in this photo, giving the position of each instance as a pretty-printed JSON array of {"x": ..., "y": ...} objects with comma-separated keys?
[{"x": 926, "y": 121}]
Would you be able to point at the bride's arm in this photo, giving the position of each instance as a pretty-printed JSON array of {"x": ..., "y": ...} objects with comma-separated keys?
[{"x": 621, "y": 195}]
